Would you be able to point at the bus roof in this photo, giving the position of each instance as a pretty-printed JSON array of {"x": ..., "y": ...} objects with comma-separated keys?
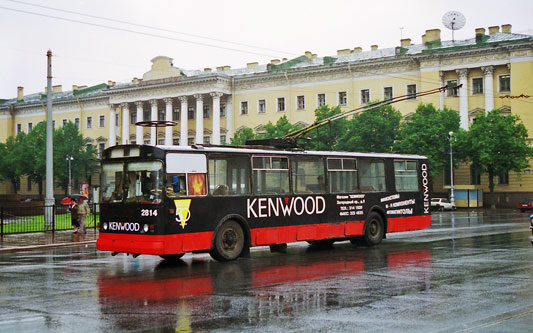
[{"x": 266, "y": 150}]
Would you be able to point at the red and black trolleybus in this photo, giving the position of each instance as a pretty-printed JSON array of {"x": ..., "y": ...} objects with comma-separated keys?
[{"x": 170, "y": 200}]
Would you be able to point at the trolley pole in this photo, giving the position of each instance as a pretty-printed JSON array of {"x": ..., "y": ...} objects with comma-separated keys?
[{"x": 49, "y": 198}]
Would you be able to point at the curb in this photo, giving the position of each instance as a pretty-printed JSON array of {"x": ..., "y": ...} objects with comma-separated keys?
[{"x": 43, "y": 246}]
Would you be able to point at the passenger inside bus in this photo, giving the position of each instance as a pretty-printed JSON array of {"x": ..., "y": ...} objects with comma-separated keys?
[{"x": 176, "y": 185}]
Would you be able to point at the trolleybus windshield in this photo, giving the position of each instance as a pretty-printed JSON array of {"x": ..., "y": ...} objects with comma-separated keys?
[{"x": 144, "y": 182}]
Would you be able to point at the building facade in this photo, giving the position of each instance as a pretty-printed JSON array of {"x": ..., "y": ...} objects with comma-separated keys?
[{"x": 495, "y": 68}]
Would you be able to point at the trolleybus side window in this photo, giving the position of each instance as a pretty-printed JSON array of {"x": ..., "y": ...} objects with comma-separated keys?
[
  {"x": 112, "y": 182},
  {"x": 229, "y": 175},
  {"x": 308, "y": 174},
  {"x": 186, "y": 174},
  {"x": 342, "y": 174},
  {"x": 405, "y": 175},
  {"x": 144, "y": 182},
  {"x": 270, "y": 174},
  {"x": 372, "y": 175}
]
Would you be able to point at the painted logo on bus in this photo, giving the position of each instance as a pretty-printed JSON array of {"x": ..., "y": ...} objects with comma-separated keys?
[
  {"x": 425, "y": 187},
  {"x": 268, "y": 207},
  {"x": 183, "y": 213}
]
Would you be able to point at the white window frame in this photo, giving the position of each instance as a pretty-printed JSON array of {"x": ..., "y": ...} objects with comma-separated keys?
[
  {"x": 241, "y": 108},
  {"x": 19, "y": 128},
  {"x": 449, "y": 91},
  {"x": 407, "y": 90},
  {"x": 89, "y": 122},
  {"x": 259, "y": 106},
  {"x": 383, "y": 92},
  {"x": 361, "y": 96},
  {"x": 499, "y": 86},
  {"x": 482, "y": 86},
  {"x": 284, "y": 104},
  {"x": 318, "y": 100},
  {"x": 30, "y": 127},
  {"x": 78, "y": 124},
  {"x": 297, "y": 104},
  {"x": 101, "y": 120},
  {"x": 339, "y": 98}
]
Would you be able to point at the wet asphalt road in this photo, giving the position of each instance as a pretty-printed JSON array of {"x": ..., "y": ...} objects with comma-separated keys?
[{"x": 469, "y": 272}]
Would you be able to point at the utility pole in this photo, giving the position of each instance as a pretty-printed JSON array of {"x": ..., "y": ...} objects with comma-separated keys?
[
  {"x": 49, "y": 198},
  {"x": 452, "y": 196}
]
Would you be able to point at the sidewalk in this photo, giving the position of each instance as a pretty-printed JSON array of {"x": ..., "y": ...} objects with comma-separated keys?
[{"x": 30, "y": 241}]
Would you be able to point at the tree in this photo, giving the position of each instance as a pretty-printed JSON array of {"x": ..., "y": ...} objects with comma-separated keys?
[
  {"x": 427, "y": 133},
  {"x": 10, "y": 161},
  {"x": 241, "y": 136},
  {"x": 497, "y": 144},
  {"x": 374, "y": 130},
  {"x": 279, "y": 130},
  {"x": 33, "y": 152},
  {"x": 326, "y": 137}
]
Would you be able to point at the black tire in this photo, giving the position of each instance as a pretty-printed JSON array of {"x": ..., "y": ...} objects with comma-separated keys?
[
  {"x": 357, "y": 241},
  {"x": 374, "y": 229},
  {"x": 172, "y": 257},
  {"x": 229, "y": 242}
]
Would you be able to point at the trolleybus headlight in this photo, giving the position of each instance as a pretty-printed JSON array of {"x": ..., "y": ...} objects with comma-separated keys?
[
  {"x": 145, "y": 228},
  {"x": 105, "y": 225}
]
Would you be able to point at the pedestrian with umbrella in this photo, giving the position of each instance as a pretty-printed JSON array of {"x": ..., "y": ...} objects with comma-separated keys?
[{"x": 73, "y": 205}]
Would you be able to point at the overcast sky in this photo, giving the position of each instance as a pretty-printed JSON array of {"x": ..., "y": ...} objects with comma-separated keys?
[{"x": 99, "y": 45}]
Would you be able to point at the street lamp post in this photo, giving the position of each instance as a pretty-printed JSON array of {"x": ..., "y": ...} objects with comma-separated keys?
[
  {"x": 69, "y": 159},
  {"x": 452, "y": 196}
]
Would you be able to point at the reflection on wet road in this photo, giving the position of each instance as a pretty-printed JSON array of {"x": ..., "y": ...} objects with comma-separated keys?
[{"x": 471, "y": 271}]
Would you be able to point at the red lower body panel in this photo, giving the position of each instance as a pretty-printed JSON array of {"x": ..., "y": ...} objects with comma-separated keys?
[{"x": 201, "y": 241}]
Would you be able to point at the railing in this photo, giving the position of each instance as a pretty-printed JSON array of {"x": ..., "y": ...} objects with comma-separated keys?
[{"x": 17, "y": 220}]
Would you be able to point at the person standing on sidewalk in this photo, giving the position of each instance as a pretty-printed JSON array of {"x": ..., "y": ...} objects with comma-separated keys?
[
  {"x": 74, "y": 215},
  {"x": 83, "y": 212}
]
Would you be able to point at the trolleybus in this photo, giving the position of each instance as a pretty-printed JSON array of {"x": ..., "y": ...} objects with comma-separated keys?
[{"x": 170, "y": 200}]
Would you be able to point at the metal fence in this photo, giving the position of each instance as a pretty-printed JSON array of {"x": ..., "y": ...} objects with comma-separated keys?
[{"x": 20, "y": 219}]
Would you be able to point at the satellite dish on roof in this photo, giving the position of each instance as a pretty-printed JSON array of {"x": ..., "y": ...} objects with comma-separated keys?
[{"x": 454, "y": 21}]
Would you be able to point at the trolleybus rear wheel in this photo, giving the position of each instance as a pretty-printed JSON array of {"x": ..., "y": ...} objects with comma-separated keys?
[
  {"x": 229, "y": 241},
  {"x": 171, "y": 256},
  {"x": 374, "y": 229}
]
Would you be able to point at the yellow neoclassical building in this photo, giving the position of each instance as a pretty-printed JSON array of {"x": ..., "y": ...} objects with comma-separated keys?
[{"x": 495, "y": 68}]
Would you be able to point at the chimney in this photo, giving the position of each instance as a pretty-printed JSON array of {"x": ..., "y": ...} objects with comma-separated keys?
[
  {"x": 75, "y": 87},
  {"x": 135, "y": 80},
  {"x": 284, "y": 59},
  {"x": 252, "y": 64},
  {"x": 274, "y": 61},
  {"x": 20, "y": 94},
  {"x": 373, "y": 47},
  {"x": 424, "y": 39},
  {"x": 480, "y": 33},
  {"x": 406, "y": 42},
  {"x": 308, "y": 54},
  {"x": 432, "y": 35},
  {"x": 494, "y": 29},
  {"x": 506, "y": 28},
  {"x": 220, "y": 68},
  {"x": 343, "y": 51},
  {"x": 357, "y": 49},
  {"x": 111, "y": 83},
  {"x": 57, "y": 89},
  {"x": 227, "y": 68},
  {"x": 207, "y": 69}
]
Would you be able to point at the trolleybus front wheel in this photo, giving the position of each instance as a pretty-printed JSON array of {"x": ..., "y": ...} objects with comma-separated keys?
[
  {"x": 229, "y": 241},
  {"x": 374, "y": 229}
]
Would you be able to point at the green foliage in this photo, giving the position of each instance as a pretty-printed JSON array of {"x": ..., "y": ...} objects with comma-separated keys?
[
  {"x": 327, "y": 136},
  {"x": 241, "y": 136},
  {"x": 497, "y": 144},
  {"x": 427, "y": 133},
  {"x": 280, "y": 129},
  {"x": 374, "y": 130},
  {"x": 10, "y": 161}
]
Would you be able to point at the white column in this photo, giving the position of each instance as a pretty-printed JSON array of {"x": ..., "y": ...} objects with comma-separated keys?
[
  {"x": 442, "y": 83},
  {"x": 153, "y": 117},
  {"x": 168, "y": 117},
  {"x": 488, "y": 87},
  {"x": 463, "y": 97},
  {"x": 139, "y": 129},
  {"x": 125, "y": 123},
  {"x": 184, "y": 112},
  {"x": 199, "y": 118},
  {"x": 229, "y": 119},
  {"x": 216, "y": 117},
  {"x": 112, "y": 125}
]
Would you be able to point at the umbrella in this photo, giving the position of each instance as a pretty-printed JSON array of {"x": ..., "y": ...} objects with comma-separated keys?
[{"x": 68, "y": 199}]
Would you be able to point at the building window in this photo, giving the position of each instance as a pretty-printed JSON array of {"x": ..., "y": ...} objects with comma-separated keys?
[
  {"x": 101, "y": 147},
  {"x": 133, "y": 118},
  {"x": 207, "y": 140},
  {"x": 19, "y": 128},
  {"x": 146, "y": 142},
  {"x": 64, "y": 122},
  {"x": 505, "y": 83},
  {"x": 387, "y": 93},
  {"x": 77, "y": 123},
  {"x": 411, "y": 91},
  {"x": 53, "y": 124},
  {"x": 146, "y": 115},
  {"x": 222, "y": 109},
  {"x": 102, "y": 121},
  {"x": 89, "y": 122},
  {"x": 190, "y": 141},
  {"x": 342, "y": 98},
  {"x": 222, "y": 139},
  {"x": 477, "y": 85},
  {"x": 452, "y": 88},
  {"x": 191, "y": 113},
  {"x": 475, "y": 176},
  {"x": 176, "y": 141},
  {"x": 160, "y": 115},
  {"x": 29, "y": 184},
  {"x": 320, "y": 100},
  {"x": 365, "y": 96},
  {"x": 503, "y": 179},
  {"x": 30, "y": 127},
  {"x": 117, "y": 119},
  {"x": 281, "y": 104},
  {"x": 206, "y": 111},
  {"x": 160, "y": 142},
  {"x": 300, "y": 102},
  {"x": 244, "y": 107},
  {"x": 261, "y": 106},
  {"x": 176, "y": 114}
]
